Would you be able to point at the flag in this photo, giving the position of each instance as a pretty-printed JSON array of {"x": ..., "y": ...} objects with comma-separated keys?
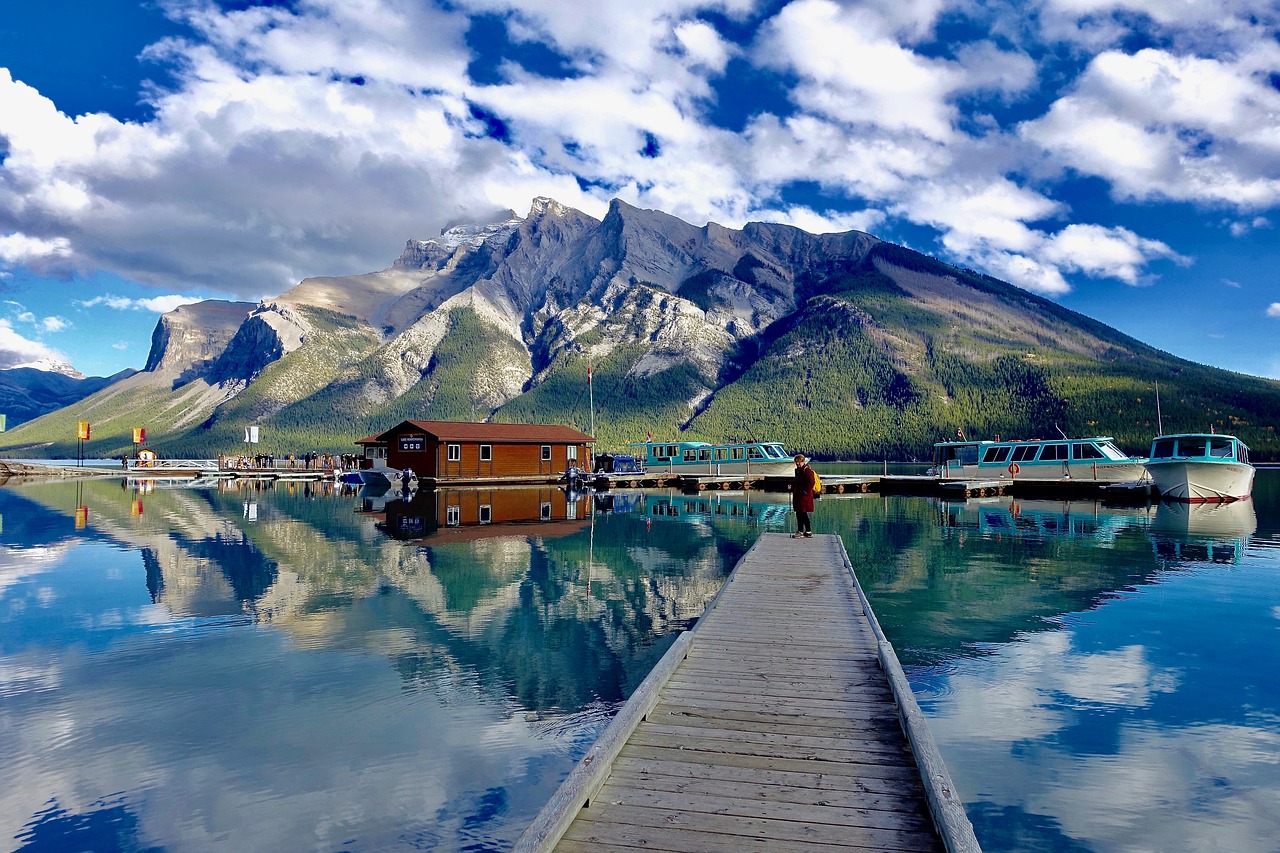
[
  {"x": 960, "y": 434},
  {"x": 82, "y": 430},
  {"x": 648, "y": 436},
  {"x": 139, "y": 435},
  {"x": 588, "y": 373}
]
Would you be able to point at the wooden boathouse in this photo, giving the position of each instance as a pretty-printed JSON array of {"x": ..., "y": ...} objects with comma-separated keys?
[
  {"x": 782, "y": 721},
  {"x": 455, "y": 451}
]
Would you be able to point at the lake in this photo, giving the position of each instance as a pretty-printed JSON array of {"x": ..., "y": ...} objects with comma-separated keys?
[{"x": 301, "y": 667}]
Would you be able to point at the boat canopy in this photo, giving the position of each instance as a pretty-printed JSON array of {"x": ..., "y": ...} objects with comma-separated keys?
[
  {"x": 1210, "y": 446},
  {"x": 702, "y": 451}
]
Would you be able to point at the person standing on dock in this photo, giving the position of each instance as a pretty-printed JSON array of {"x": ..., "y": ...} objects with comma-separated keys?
[{"x": 802, "y": 488}]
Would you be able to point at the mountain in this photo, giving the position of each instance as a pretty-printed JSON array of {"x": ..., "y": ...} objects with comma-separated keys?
[
  {"x": 31, "y": 390},
  {"x": 841, "y": 345}
]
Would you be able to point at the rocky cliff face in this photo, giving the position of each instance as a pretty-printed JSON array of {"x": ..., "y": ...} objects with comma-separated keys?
[{"x": 188, "y": 340}]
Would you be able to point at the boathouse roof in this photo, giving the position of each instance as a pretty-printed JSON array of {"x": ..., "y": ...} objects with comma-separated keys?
[{"x": 487, "y": 432}]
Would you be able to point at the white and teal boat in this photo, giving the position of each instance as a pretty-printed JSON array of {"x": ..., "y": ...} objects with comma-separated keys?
[
  {"x": 1095, "y": 458},
  {"x": 700, "y": 458},
  {"x": 1201, "y": 467}
]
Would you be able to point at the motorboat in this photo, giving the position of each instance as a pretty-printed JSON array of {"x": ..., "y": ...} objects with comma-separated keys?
[
  {"x": 1096, "y": 458},
  {"x": 694, "y": 458},
  {"x": 1200, "y": 467}
]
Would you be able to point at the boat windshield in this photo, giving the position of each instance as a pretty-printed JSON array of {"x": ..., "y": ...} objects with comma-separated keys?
[
  {"x": 1112, "y": 452},
  {"x": 774, "y": 450},
  {"x": 1192, "y": 446},
  {"x": 1162, "y": 449},
  {"x": 1220, "y": 448}
]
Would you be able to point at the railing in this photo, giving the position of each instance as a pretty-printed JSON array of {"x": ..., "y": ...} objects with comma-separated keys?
[{"x": 172, "y": 465}]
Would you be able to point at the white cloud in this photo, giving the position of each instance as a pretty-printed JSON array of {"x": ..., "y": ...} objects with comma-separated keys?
[
  {"x": 54, "y": 324},
  {"x": 158, "y": 304},
  {"x": 1105, "y": 252},
  {"x": 16, "y": 349},
  {"x": 1158, "y": 125},
  {"x": 1273, "y": 310}
]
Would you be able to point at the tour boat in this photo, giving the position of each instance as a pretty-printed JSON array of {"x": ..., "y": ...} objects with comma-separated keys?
[
  {"x": 1200, "y": 467},
  {"x": 1095, "y": 458},
  {"x": 752, "y": 458}
]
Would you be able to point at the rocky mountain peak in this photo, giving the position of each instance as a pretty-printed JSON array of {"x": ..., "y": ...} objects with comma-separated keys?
[{"x": 51, "y": 365}]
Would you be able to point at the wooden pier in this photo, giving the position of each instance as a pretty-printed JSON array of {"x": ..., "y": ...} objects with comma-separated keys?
[{"x": 781, "y": 722}]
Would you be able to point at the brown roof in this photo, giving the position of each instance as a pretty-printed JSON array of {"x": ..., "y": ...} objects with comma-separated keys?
[
  {"x": 506, "y": 433},
  {"x": 371, "y": 439}
]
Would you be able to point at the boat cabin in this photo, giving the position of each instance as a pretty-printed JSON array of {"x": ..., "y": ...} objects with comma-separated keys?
[
  {"x": 701, "y": 452},
  {"x": 1001, "y": 453}
]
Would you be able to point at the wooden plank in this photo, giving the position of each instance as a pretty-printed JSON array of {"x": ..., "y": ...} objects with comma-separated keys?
[
  {"x": 876, "y": 768},
  {"x": 810, "y": 780},
  {"x": 620, "y": 820},
  {"x": 732, "y": 804}
]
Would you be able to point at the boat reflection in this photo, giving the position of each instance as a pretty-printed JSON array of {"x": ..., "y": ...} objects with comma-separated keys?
[
  {"x": 674, "y": 505},
  {"x": 1203, "y": 532},
  {"x": 465, "y": 514},
  {"x": 1089, "y": 520}
]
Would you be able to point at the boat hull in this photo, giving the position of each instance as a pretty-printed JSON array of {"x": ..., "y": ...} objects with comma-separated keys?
[
  {"x": 1110, "y": 472},
  {"x": 783, "y": 468},
  {"x": 1197, "y": 481}
]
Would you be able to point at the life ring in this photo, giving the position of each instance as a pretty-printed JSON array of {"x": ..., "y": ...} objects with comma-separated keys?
[{"x": 1014, "y": 469}]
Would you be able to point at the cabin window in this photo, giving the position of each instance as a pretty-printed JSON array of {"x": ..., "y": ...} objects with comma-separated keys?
[
  {"x": 486, "y": 453},
  {"x": 995, "y": 454},
  {"x": 486, "y": 513},
  {"x": 739, "y": 453},
  {"x": 571, "y": 452},
  {"x": 721, "y": 454},
  {"x": 455, "y": 452},
  {"x": 1220, "y": 448},
  {"x": 774, "y": 450},
  {"x": 546, "y": 453},
  {"x": 546, "y": 512},
  {"x": 1085, "y": 451},
  {"x": 672, "y": 450},
  {"x": 1162, "y": 449},
  {"x": 691, "y": 456},
  {"x": 1024, "y": 452},
  {"x": 1192, "y": 447},
  {"x": 704, "y": 455},
  {"x": 754, "y": 453},
  {"x": 453, "y": 516},
  {"x": 1053, "y": 452}
]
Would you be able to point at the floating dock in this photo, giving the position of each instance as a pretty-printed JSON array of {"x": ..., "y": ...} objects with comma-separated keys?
[{"x": 782, "y": 721}]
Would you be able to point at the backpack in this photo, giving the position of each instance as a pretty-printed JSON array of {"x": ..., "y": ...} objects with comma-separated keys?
[{"x": 817, "y": 484}]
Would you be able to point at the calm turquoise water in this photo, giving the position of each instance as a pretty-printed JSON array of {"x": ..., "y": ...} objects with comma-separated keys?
[{"x": 269, "y": 669}]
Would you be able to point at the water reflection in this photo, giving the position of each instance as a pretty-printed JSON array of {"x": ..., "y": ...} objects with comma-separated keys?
[
  {"x": 253, "y": 663},
  {"x": 1212, "y": 533},
  {"x": 250, "y": 663}
]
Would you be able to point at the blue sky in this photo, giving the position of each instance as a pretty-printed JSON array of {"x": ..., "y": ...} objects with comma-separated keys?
[{"x": 1119, "y": 156}]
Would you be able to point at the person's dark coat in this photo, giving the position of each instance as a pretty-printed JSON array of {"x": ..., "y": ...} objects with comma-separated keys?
[{"x": 802, "y": 490}]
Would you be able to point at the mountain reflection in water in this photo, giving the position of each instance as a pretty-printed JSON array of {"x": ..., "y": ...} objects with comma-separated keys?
[{"x": 246, "y": 665}]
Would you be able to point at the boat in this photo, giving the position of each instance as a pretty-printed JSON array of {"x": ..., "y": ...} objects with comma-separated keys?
[
  {"x": 1200, "y": 467},
  {"x": 1090, "y": 459},
  {"x": 697, "y": 458}
]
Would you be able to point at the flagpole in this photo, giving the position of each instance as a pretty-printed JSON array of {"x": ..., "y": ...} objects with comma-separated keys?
[{"x": 591, "y": 397}]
